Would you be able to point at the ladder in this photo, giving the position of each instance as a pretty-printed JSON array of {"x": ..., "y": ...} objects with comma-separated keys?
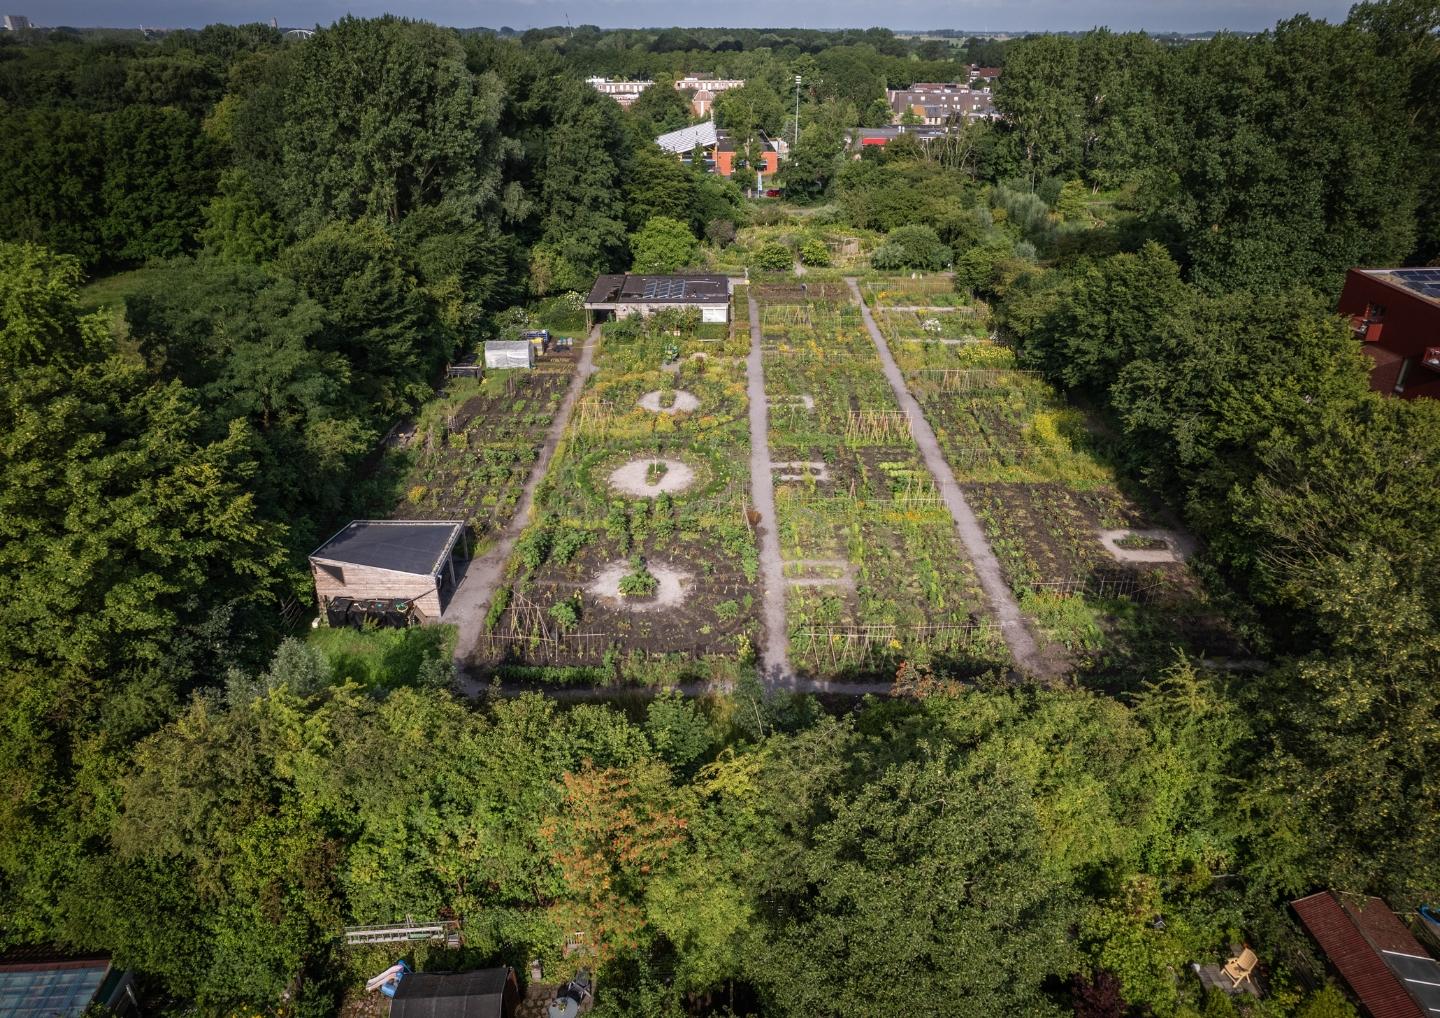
[{"x": 407, "y": 932}]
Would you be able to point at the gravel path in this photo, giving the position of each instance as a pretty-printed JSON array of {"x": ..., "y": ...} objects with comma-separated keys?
[
  {"x": 775, "y": 636},
  {"x": 1023, "y": 648},
  {"x": 467, "y": 607}
]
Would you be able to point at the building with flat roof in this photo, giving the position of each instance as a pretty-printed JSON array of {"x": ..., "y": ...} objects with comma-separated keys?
[
  {"x": 16, "y": 23},
  {"x": 1395, "y": 315},
  {"x": 392, "y": 560},
  {"x": 622, "y": 295},
  {"x": 486, "y": 993}
]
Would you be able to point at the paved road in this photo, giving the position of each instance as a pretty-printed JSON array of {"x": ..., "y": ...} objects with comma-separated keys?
[
  {"x": 482, "y": 575},
  {"x": 1023, "y": 648},
  {"x": 775, "y": 635}
]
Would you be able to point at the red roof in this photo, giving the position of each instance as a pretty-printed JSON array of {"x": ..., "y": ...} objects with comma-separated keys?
[{"x": 1340, "y": 936}]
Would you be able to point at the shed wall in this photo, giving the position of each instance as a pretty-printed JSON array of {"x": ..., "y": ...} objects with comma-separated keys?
[{"x": 362, "y": 582}]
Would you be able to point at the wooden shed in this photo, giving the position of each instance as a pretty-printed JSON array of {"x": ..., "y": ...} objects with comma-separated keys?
[{"x": 412, "y": 560}]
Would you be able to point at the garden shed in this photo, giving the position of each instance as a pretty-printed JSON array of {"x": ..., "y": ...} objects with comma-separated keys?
[
  {"x": 623, "y": 295},
  {"x": 409, "y": 560},
  {"x": 485, "y": 993},
  {"x": 504, "y": 354}
]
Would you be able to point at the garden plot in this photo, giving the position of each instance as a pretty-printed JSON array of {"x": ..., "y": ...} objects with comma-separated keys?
[
  {"x": 641, "y": 555},
  {"x": 914, "y": 292},
  {"x": 471, "y": 450},
  {"x": 1030, "y": 469},
  {"x": 874, "y": 571}
]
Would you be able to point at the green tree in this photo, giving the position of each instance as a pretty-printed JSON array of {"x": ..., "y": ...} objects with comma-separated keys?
[
  {"x": 664, "y": 245},
  {"x": 122, "y": 521},
  {"x": 51, "y": 174},
  {"x": 158, "y": 177},
  {"x": 382, "y": 118}
]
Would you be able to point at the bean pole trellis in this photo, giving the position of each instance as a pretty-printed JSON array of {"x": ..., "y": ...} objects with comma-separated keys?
[
  {"x": 877, "y": 427},
  {"x": 837, "y": 646}
]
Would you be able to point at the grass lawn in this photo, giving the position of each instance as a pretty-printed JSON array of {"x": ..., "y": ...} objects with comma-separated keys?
[
  {"x": 383, "y": 658},
  {"x": 111, "y": 291}
]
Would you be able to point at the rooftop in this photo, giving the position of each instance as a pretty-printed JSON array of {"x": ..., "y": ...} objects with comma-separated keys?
[
  {"x": 404, "y": 546},
  {"x": 628, "y": 289},
  {"x": 1379, "y": 958},
  {"x": 1424, "y": 282},
  {"x": 39, "y": 983},
  {"x": 685, "y": 139},
  {"x": 451, "y": 995}
]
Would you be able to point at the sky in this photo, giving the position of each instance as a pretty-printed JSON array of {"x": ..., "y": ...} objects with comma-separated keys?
[{"x": 901, "y": 15}]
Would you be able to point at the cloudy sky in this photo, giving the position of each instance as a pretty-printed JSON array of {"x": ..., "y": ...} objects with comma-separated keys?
[{"x": 973, "y": 15}]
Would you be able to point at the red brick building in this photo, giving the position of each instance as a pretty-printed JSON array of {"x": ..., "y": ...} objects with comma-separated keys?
[{"x": 1395, "y": 314}]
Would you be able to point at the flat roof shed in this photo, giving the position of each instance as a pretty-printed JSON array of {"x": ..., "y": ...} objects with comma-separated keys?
[
  {"x": 486, "y": 993},
  {"x": 627, "y": 294},
  {"x": 412, "y": 560}
]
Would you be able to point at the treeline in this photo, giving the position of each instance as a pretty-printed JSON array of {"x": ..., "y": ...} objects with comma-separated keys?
[
  {"x": 1251, "y": 413},
  {"x": 747, "y": 853}
]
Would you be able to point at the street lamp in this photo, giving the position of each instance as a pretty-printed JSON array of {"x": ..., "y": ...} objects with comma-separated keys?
[{"x": 796, "y": 136}]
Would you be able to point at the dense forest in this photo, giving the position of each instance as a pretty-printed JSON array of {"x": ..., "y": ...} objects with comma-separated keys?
[{"x": 229, "y": 263}]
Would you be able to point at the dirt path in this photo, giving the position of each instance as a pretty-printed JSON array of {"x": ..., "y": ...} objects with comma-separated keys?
[
  {"x": 775, "y": 636},
  {"x": 1028, "y": 658},
  {"x": 467, "y": 607},
  {"x": 791, "y": 684}
]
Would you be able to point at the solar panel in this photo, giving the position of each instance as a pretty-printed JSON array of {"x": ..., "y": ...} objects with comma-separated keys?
[
  {"x": 1421, "y": 977},
  {"x": 1425, "y": 280},
  {"x": 664, "y": 289}
]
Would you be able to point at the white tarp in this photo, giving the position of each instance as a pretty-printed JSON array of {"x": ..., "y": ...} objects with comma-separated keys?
[
  {"x": 712, "y": 314},
  {"x": 501, "y": 354}
]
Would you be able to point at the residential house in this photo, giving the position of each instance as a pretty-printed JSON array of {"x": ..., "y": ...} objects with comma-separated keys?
[
  {"x": 701, "y": 89},
  {"x": 1395, "y": 314},
  {"x": 936, "y": 103},
  {"x": 722, "y": 153},
  {"x": 623, "y": 92}
]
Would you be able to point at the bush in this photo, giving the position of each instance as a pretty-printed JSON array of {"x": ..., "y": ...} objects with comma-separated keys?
[
  {"x": 974, "y": 268},
  {"x": 772, "y": 258},
  {"x": 566, "y": 613},
  {"x": 815, "y": 253},
  {"x": 639, "y": 582},
  {"x": 911, "y": 247}
]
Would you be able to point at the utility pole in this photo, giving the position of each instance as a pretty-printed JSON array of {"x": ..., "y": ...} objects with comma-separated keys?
[{"x": 796, "y": 136}]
